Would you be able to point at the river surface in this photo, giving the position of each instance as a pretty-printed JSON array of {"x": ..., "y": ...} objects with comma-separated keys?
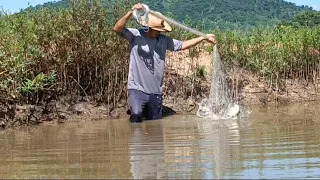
[{"x": 281, "y": 142}]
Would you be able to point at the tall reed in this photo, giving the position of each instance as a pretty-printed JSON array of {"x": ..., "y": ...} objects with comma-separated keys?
[{"x": 279, "y": 53}]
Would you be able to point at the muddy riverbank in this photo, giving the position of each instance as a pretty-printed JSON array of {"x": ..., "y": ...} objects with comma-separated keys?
[{"x": 255, "y": 91}]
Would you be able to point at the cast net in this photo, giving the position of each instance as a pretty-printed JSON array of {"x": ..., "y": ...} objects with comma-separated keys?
[{"x": 220, "y": 103}]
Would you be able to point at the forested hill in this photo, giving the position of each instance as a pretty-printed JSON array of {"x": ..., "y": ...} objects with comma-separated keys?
[{"x": 220, "y": 13}]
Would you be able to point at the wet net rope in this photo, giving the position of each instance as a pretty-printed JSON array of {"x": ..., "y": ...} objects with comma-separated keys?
[{"x": 219, "y": 104}]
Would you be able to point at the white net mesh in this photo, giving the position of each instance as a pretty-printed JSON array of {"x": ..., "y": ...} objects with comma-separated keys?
[{"x": 220, "y": 104}]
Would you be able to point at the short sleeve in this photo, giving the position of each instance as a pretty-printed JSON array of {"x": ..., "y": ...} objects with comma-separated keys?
[
  {"x": 174, "y": 44},
  {"x": 128, "y": 33}
]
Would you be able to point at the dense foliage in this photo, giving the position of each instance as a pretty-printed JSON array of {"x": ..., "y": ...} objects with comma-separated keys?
[
  {"x": 306, "y": 19},
  {"x": 224, "y": 14},
  {"x": 49, "y": 52}
]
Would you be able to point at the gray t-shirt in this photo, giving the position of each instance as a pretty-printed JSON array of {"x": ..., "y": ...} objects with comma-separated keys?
[{"x": 147, "y": 59}]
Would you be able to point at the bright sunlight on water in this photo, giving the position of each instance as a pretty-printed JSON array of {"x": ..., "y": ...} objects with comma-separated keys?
[{"x": 272, "y": 143}]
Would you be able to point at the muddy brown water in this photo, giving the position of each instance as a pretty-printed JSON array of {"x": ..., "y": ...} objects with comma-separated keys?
[{"x": 281, "y": 142}]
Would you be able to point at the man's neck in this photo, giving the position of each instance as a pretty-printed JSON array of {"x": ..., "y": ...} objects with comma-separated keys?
[{"x": 149, "y": 35}]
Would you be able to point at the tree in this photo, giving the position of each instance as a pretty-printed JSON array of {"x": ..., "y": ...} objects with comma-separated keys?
[{"x": 308, "y": 19}]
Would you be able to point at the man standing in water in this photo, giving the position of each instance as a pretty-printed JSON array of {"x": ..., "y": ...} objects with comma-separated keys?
[{"x": 147, "y": 63}]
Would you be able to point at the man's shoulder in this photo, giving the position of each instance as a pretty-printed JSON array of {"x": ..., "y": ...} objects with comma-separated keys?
[
  {"x": 134, "y": 31},
  {"x": 167, "y": 37},
  {"x": 131, "y": 29},
  {"x": 163, "y": 36}
]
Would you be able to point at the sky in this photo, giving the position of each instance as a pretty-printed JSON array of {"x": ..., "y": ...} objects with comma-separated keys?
[
  {"x": 313, "y": 3},
  {"x": 12, "y": 6}
]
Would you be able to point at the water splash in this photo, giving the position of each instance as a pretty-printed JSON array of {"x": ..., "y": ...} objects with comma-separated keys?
[{"x": 220, "y": 104}]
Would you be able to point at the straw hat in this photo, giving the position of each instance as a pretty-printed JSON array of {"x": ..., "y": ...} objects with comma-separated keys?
[{"x": 157, "y": 23}]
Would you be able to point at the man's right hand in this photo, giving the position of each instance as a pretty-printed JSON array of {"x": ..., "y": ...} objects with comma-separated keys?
[
  {"x": 121, "y": 23},
  {"x": 137, "y": 6}
]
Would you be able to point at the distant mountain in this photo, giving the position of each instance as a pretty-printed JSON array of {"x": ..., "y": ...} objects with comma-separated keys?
[{"x": 225, "y": 14}]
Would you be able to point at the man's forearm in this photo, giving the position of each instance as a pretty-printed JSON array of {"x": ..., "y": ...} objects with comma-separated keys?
[
  {"x": 192, "y": 42},
  {"x": 121, "y": 23}
]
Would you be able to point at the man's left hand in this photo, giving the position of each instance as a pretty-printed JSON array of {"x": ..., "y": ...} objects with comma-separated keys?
[{"x": 212, "y": 38}]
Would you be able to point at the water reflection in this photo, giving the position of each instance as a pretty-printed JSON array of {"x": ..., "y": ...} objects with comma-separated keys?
[
  {"x": 146, "y": 151},
  {"x": 208, "y": 146},
  {"x": 270, "y": 144}
]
